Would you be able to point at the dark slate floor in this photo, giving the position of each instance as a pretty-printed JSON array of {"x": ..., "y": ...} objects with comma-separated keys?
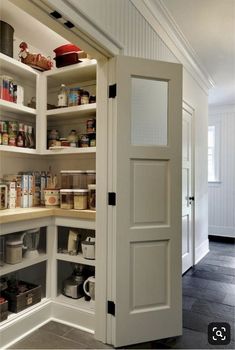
[{"x": 208, "y": 296}]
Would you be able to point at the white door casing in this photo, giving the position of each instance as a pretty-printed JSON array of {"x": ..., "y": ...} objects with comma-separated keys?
[
  {"x": 145, "y": 172},
  {"x": 187, "y": 191}
]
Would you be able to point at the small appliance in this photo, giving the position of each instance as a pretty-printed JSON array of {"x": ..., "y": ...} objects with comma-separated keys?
[
  {"x": 88, "y": 248},
  {"x": 73, "y": 285}
]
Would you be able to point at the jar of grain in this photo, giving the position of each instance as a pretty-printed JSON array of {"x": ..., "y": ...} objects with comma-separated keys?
[
  {"x": 14, "y": 251},
  {"x": 92, "y": 197},
  {"x": 80, "y": 199},
  {"x": 76, "y": 179},
  {"x": 66, "y": 199}
]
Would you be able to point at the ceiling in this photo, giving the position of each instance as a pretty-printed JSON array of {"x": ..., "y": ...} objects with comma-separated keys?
[{"x": 209, "y": 28}]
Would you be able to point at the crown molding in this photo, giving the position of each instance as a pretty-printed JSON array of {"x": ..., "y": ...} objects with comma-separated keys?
[{"x": 157, "y": 15}]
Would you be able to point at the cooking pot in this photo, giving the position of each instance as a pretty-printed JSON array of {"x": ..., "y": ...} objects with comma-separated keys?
[{"x": 65, "y": 49}]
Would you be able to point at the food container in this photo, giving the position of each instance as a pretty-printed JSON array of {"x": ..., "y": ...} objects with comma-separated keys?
[
  {"x": 91, "y": 177},
  {"x": 66, "y": 60},
  {"x": 3, "y": 196},
  {"x": 92, "y": 197},
  {"x": 52, "y": 198},
  {"x": 66, "y": 198},
  {"x": 3, "y": 309},
  {"x": 91, "y": 126},
  {"x": 84, "y": 141},
  {"x": 22, "y": 296},
  {"x": 74, "y": 97},
  {"x": 80, "y": 199},
  {"x": 6, "y": 88},
  {"x": 2, "y": 250},
  {"x": 88, "y": 248},
  {"x": 65, "y": 49},
  {"x": 14, "y": 251},
  {"x": 84, "y": 97},
  {"x": 76, "y": 179}
]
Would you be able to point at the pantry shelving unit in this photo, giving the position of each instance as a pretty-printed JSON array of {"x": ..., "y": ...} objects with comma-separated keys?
[{"x": 79, "y": 312}]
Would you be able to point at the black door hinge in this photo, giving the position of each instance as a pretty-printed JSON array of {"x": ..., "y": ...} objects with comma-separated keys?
[
  {"x": 112, "y": 91},
  {"x": 111, "y": 308},
  {"x": 112, "y": 198}
]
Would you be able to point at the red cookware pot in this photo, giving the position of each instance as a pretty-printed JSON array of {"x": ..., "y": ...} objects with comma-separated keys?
[{"x": 65, "y": 49}]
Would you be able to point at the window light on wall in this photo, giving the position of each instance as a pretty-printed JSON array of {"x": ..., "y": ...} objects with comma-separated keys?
[{"x": 213, "y": 153}]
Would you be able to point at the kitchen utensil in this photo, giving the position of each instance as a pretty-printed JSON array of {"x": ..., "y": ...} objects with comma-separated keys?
[
  {"x": 73, "y": 285},
  {"x": 88, "y": 248},
  {"x": 89, "y": 287}
]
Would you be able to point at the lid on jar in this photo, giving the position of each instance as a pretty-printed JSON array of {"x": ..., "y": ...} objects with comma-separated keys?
[
  {"x": 91, "y": 172},
  {"x": 92, "y": 186},
  {"x": 85, "y": 93},
  {"x": 14, "y": 242},
  {"x": 73, "y": 172},
  {"x": 80, "y": 191},
  {"x": 66, "y": 191}
]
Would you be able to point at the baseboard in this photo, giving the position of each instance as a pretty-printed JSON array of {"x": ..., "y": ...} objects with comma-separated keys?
[
  {"x": 222, "y": 239},
  {"x": 224, "y": 231},
  {"x": 201, "y": 250}
]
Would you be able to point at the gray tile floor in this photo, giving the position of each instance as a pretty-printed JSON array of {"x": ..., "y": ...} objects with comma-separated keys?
[{"x": 208, "y": 296}]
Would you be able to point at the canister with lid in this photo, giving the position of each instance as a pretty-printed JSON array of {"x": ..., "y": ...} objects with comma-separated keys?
[
  {"x": 14, "y": 251},
  {"x": 92, "y": 197},
  {"x": 91, "y": 177},
  {"x": 80, "y": 199},
  {"x": 76, "y": 179},
  {"x": 66, "y": 198}
]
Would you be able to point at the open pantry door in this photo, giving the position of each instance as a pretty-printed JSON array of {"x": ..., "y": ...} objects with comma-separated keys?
[{"x": 145, "y": 131}]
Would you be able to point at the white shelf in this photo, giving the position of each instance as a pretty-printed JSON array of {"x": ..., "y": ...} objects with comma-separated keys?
[
  {"x": 6, "y": 106},
  {"x": 85, "y": 71},
  {"x": 8, "y": 268},
  {"x": 16, "y": 68},
  {"x": 70, "y": 150},
  {"x": 80, "y": 303},
  {"x": 17, "y": 149},
  {"x": 75, "y": 259},
  {"x": 74, "y": 111}
]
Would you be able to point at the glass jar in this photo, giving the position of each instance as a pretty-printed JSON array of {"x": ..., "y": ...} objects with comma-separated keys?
[
  {"x": 80, "y": 199},
  {"x": 76, "y": 179},
  {"x": 84, "y": 141},
  {"x": 91, "y": 126},
  {"x": 73, "y": 138},
  {"x": 91, "y": 177},
  {"x": 84, "y": 97},
  {"x": 63, "y": 96},
  {"x": 92, "y": 197},
  {"x": 73, "y": 97},
  {"x": 66, "y": 199}
]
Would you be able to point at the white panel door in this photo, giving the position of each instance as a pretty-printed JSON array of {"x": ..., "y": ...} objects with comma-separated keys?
[
  {"x": 145, "y": 157},
  {"x": 187, "y": 198}
]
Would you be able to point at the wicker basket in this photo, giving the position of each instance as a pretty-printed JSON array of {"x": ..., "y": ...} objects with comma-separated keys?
[
  {"x": 19, "y": 302},
  {"x": 3, "y": 311}
]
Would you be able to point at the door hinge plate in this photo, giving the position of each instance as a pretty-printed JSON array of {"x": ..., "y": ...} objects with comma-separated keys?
[
  {"x": 112, "y": 91},
  {"x": 112, "y": 198},
  {"x": 111, "y": 308}
]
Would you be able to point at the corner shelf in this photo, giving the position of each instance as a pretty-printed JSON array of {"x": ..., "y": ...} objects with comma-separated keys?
[
  {"x": 74, "y": 111},
  {"x": 70, "y": 150},
  {"x": 75, "y": 259},
  {"x": 7, "y": 107},
  {"x": 18, "y": 149},
  {"x": 8, "y": 268}
]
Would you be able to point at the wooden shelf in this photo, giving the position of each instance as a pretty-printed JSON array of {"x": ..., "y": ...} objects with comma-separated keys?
[
  {"x": 16, "y": 68},
  {"x": 17, "y": 149},
  {"x": 75, "y": 259},
  {"x": 71, "y": 150},
  {"x": 6, "y": 106},
  {"x": 85, "y": 71},
  {"x": 81, "y": 303},
  {"x": 74, "y": 111},
  {"x": 8, "y": 268}
]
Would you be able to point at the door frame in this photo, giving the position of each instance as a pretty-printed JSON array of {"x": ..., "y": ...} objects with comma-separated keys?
[{"x": 189, "y": 109}]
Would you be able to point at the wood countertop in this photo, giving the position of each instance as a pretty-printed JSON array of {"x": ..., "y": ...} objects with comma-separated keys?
[{"x": 21, "y": 214}]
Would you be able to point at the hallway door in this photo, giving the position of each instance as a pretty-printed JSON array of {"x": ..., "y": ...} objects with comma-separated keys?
[{"x": 187, "y": 191}]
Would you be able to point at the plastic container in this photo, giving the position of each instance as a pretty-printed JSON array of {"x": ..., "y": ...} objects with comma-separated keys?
[
  {"x": 91, "y": 177},
  {"x": 52, "y": 198},
  {"x": 66, "y": 198},
  {"x": 14, "y": 251},
  {"x": 92, "y": 197},
  {"x": 73, "y": 179},
  {"x": 80, "y": 199}
]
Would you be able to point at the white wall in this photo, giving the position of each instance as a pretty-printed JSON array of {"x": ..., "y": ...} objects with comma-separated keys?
[
  {"x": 127, "y": 27},
  {"x": 222, "y": 194}
]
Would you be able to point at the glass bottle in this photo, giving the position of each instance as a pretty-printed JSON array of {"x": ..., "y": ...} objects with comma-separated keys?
[
  {"x": 31, "y": 137},
  {"x": 26, "y": 137},
  {"x": 20, "y": 140},
  {"x": 63, "y": 96}
]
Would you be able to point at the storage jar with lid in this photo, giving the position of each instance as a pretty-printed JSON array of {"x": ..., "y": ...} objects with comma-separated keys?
[
  {"x": 14, "y": 251},
  {"x": 76, "y": 179},
  {"x": 91, "y": 177},
  {"x": 84, "y": 97},
  {"x": 80, "y": 199},
  {"x": 92, "y": 197},
  {"x": 66, "y": 199}
]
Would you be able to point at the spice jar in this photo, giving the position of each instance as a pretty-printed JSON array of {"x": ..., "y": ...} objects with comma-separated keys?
[
  {"x": 84, "y": 97},
  {"x": 80, "y": 199},
  {"x": 92, "y": 197},
  {"x": 14, "y": 251},
  {"x": 66, "y": 199},
  {"x": 73, "y": 97}
]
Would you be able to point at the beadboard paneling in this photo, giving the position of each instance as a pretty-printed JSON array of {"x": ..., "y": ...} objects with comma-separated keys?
[
  {"x": 222, "y": 194},
  {"x": 122, "y": 21}
]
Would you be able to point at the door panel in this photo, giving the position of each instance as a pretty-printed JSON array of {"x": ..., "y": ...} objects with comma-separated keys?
[
  {"x": 187, "y": 239},
  {"x": 146, "y": 157}
]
